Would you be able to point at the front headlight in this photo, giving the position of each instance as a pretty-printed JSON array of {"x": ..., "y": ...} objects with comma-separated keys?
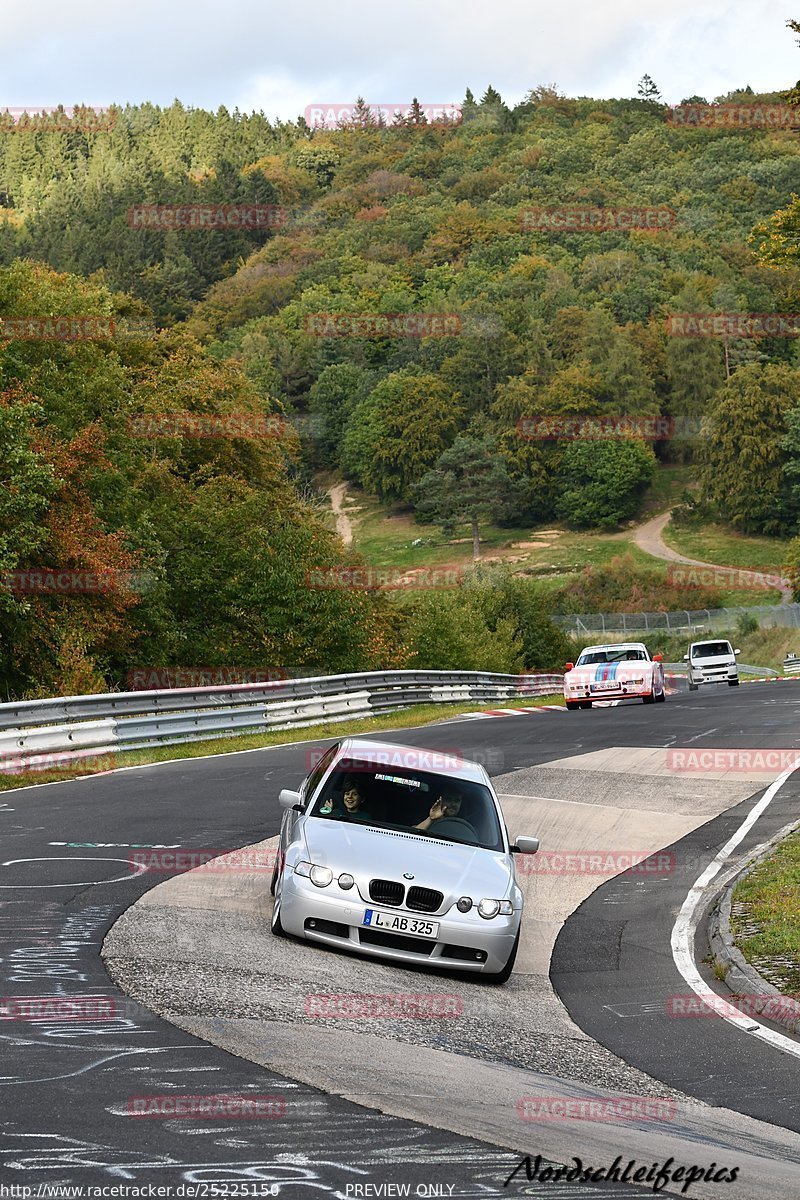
[
  {"x": 493, "y": 908},
  {"x": 320, "y": 876},
  {"x": 637, "y": 681}
]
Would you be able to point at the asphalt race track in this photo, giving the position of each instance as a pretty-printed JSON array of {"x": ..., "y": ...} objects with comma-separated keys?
[{"x": 66, "y": 878}]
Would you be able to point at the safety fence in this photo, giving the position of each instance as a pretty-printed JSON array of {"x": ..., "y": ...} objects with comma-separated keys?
[{"x": 767, "y": 615}]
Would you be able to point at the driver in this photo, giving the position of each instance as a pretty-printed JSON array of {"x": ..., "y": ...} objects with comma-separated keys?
[{"x": 448, "y": 805}]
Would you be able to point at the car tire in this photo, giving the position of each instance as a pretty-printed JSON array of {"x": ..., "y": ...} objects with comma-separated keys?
[
  {"x": 661, "y": 697},
  {"x": 651, "y": 699},
  {"x": 502, "y": 976},
  {"x": 276, "y": 927},
  {"x": 274, "y": 882},
  {"x": 585, "y": 704},
  {"x": 693, "y": 687},
  {"x": 572, "y": 704},
  {"x": 733, "y": 683}
]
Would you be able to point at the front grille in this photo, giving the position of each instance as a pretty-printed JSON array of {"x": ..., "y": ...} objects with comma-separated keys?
[
  {"x": 386, "y": 891},
  {"x": 424, "y": 899},
  {"x": 395, "y": 941}
]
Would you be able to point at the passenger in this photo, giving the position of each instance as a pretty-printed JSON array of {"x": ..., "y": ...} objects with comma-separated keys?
[
  {"x": 351, "y": 806},
  {"x": 448, "y": 805}
]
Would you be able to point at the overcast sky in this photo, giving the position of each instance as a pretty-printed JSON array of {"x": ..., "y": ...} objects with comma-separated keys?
[{"x": 282, "y": 57}]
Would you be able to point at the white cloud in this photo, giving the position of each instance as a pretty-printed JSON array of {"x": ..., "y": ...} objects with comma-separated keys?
[{"x": 281, "y": 58}]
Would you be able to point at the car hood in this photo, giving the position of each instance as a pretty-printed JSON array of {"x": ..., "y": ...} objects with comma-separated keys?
[
  {"x": 609, "y": 672},
  {"x": 367, "y": 852}
]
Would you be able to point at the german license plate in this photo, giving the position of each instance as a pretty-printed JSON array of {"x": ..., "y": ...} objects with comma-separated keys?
[
  {"x": 609, "y": 685},
  {"x": 396, "y": 923}
]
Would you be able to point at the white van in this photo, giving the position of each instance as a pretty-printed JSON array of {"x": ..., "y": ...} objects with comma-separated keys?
[{"x": 712, "y": 662}]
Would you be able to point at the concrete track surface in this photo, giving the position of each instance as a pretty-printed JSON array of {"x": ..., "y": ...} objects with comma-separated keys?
[{"x": 419, "y": 1102}]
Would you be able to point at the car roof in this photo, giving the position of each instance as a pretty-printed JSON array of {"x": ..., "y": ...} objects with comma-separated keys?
[
  {"x": 616, "y": 646},
  {"x": 712, "y": 642},
  {"x": 448, "y": 763}
]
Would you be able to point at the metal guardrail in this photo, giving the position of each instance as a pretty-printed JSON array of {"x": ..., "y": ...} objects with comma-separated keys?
[
  {"x": 34, "y": 733},
  {"x": 748, "y": 669}
]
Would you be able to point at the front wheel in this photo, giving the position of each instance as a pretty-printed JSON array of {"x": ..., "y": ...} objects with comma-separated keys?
[
  {"x": 651, "y": 699},
  {"x": 661, "y": 697},
  {"x": 693, "y": 687},
  {"x": 503, "y": 975},
  {"x": 585, "y": 704},
  {"x": 572, "y": 704},
  {"x": 733, "y": 683},
  {"x": 275, "y": 924}
]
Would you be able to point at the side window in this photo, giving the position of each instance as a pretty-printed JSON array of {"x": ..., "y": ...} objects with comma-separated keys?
[{"x": 313, "y": 779}]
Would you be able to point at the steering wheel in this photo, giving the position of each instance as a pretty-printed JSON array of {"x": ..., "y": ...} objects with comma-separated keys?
[{"x": 453, "y": 827}]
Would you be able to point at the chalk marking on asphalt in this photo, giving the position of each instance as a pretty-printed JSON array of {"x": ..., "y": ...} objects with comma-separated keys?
[
  {"x": 78, "y": 883},
  {"x": 683, "y": 929}
]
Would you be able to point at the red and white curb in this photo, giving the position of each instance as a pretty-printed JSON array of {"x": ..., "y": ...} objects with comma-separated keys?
[{"x": 517, "y": 712}]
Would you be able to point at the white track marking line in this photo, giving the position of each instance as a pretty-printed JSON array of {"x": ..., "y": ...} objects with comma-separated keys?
[{"x": 683, "y": 930}]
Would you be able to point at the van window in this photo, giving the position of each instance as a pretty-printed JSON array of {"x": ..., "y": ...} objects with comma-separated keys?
[{"x": 711, "y": 649}]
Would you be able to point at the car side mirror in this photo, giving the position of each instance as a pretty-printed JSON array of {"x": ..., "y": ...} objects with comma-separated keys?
[
  {"x": 289, "y": 799},
  {"x": 569, "y": 667},
  {"x": 737, "y": 652},
  {"x": 525, "y": 845},
  {"x": 658, "y": 658},
  {"x": 686, "y": 658}
]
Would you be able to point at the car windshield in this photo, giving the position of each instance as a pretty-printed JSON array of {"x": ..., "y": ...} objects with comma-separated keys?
[
  {"x": 711, "y": 649},
  {"x": 453, "y": 810},
  {"x": 611, "y": 654}
]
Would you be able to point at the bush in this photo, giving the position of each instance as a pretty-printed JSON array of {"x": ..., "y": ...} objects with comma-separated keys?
[
  {"x": 603, "y": 482},
  {"x": 623, "y": 586}
]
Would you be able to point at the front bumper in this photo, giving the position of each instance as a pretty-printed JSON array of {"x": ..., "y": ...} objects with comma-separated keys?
[
  {"x": 466, "y": 941},
  {"x": 714, "y": 675},
  {"x": 623, "y": 692}
]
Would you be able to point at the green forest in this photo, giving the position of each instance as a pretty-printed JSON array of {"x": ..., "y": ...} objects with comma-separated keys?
[{"x": 516, "y": 320}]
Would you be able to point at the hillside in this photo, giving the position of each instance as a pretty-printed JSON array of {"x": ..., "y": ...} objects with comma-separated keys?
[{"x": 481, "y": 327}]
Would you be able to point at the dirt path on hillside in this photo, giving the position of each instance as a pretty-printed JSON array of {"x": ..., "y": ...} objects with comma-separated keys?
[
  {"x": 344, "y": 526},
  {"x": 648, "y": 537}
]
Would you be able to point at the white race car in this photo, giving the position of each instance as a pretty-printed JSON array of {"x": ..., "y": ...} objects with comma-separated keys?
[{"x": 616, "y": 672}]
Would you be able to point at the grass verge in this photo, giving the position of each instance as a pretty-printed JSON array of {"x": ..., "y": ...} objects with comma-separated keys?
[
  {"x": 721, "y": 546},
  {"x": 421, "y": 714},
  {"x": 769, "y": 898}
]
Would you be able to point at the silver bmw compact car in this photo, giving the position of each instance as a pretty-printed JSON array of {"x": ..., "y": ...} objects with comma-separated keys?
[{"x": 402, "y": 853}]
